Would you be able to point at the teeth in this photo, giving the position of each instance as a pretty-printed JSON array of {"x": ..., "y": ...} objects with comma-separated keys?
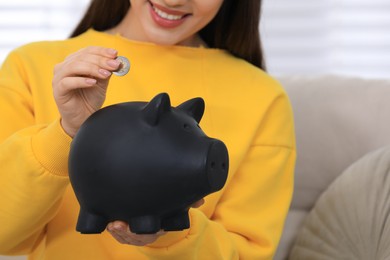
[{"x": 167, "y": 16}]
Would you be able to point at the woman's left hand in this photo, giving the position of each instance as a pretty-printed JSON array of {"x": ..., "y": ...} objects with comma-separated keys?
[{"x": 121, "y": 232}]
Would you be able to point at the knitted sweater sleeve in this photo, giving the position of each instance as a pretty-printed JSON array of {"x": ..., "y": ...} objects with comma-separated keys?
[{"x": 33, "y": 164}]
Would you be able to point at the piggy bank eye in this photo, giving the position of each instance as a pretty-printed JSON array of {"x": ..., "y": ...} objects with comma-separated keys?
[{"x": 185, "y": 126}]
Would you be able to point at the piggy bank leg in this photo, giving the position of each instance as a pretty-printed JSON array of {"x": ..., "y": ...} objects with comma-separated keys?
[
  {"x": 89, "y": 223},
  {"x": 145, "y": 224},
  {"x": 176, "y": 222}
]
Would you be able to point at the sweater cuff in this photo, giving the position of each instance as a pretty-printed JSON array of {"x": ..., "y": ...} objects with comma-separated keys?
[{"x": 51, "y": 147}]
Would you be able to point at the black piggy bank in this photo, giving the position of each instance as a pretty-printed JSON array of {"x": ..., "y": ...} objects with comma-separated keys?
[{"x": 144, "y": 163}]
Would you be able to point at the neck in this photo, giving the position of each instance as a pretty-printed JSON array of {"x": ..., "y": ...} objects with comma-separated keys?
[
  {"x": 124, "y": 30},
  {"x": 195, "y": 41}
]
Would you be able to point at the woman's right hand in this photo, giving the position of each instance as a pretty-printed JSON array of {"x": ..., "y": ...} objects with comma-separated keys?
[
  {"x": 120, "y": 230},
  {"x": 80, "y": 84}
]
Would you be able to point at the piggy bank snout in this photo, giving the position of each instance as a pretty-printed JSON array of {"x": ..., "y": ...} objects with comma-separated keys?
[{"x": 217, "y": 165}]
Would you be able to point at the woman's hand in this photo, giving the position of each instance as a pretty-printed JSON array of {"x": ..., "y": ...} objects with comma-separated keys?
[
  {"x": 121, "y": 232},
  {"x": 80, "y": 84}
]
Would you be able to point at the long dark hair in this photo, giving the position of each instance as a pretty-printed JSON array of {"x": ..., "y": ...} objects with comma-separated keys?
[{"x": 235, "y": 28}]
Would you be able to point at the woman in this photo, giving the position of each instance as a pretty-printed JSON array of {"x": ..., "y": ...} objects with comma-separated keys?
[{"x": 187, "y": 48}]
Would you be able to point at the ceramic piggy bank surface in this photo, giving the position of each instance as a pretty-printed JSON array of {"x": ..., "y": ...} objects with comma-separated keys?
[{"x": 144, "y": 163}]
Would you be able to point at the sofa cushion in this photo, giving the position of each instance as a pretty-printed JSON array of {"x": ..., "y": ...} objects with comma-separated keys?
[
  {"x": 351, "y": 218},
  {"x": 338, "y": 119}
]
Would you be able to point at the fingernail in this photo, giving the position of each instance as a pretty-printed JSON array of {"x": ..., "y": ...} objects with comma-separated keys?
[
  {"x": 90, "y": 81},
  {"x": 118, "y": 226},
  {"x": 109, "y": 227},
  {"x": 104, "y": 72},
  {"x": 112, "y": 51},
  {"x": 114, "y": 63}
]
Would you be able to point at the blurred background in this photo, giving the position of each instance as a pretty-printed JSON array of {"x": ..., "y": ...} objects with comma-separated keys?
[
  {"x": 300, "y": 37},
  {"x": 348, "y": 37}
]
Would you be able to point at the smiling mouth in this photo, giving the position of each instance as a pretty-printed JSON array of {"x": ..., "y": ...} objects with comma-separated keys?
[{"x": 168, "y": 15}]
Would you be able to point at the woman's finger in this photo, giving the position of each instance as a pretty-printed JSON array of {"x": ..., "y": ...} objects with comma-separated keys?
[
  {"x": 87, "y": 63},
  {"x": 118, "y": 237},
  {"x": 121, "y": 232},
  {"x": 117, "y": 229},
  {"x": 71, "y": 83},
  {"x": 107, "y": 63},
  {"x": 83, "y": 68},
  {"x": 97, "y": 50}
]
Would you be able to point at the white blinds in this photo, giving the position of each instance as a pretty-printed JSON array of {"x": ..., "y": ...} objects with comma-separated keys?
[
  {"x": 350, "y": 37},
  {"x": 300, "y": 36},
  {"x": 23, "y": 21}
]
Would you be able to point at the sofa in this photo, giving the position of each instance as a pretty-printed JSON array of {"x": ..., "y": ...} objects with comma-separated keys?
[
  {"x": 341, "y": 203},
  {"x": 339, "y": 210}
]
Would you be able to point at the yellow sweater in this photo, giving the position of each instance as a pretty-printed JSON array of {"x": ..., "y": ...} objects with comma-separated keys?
[{"x": 245, "y": 108}]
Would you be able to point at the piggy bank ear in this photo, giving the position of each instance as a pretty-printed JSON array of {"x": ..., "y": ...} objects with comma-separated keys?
[
  {"x": 194, "y": 107},
  {"x": 156, "y": 107}
]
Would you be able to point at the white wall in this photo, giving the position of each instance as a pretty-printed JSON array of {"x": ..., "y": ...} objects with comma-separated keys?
[{"x": 23, "y": 21}]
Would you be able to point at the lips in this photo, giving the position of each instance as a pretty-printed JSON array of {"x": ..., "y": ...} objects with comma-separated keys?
[{"x": 165, "y": 17}]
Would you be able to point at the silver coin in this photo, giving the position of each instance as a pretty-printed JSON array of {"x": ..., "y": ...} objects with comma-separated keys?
[{"x": 124, "y": 67}]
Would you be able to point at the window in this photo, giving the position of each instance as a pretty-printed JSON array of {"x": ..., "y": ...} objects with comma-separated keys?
[
  {"x": 23, "y": 21},
  {"x": 349, "y": 37}
]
